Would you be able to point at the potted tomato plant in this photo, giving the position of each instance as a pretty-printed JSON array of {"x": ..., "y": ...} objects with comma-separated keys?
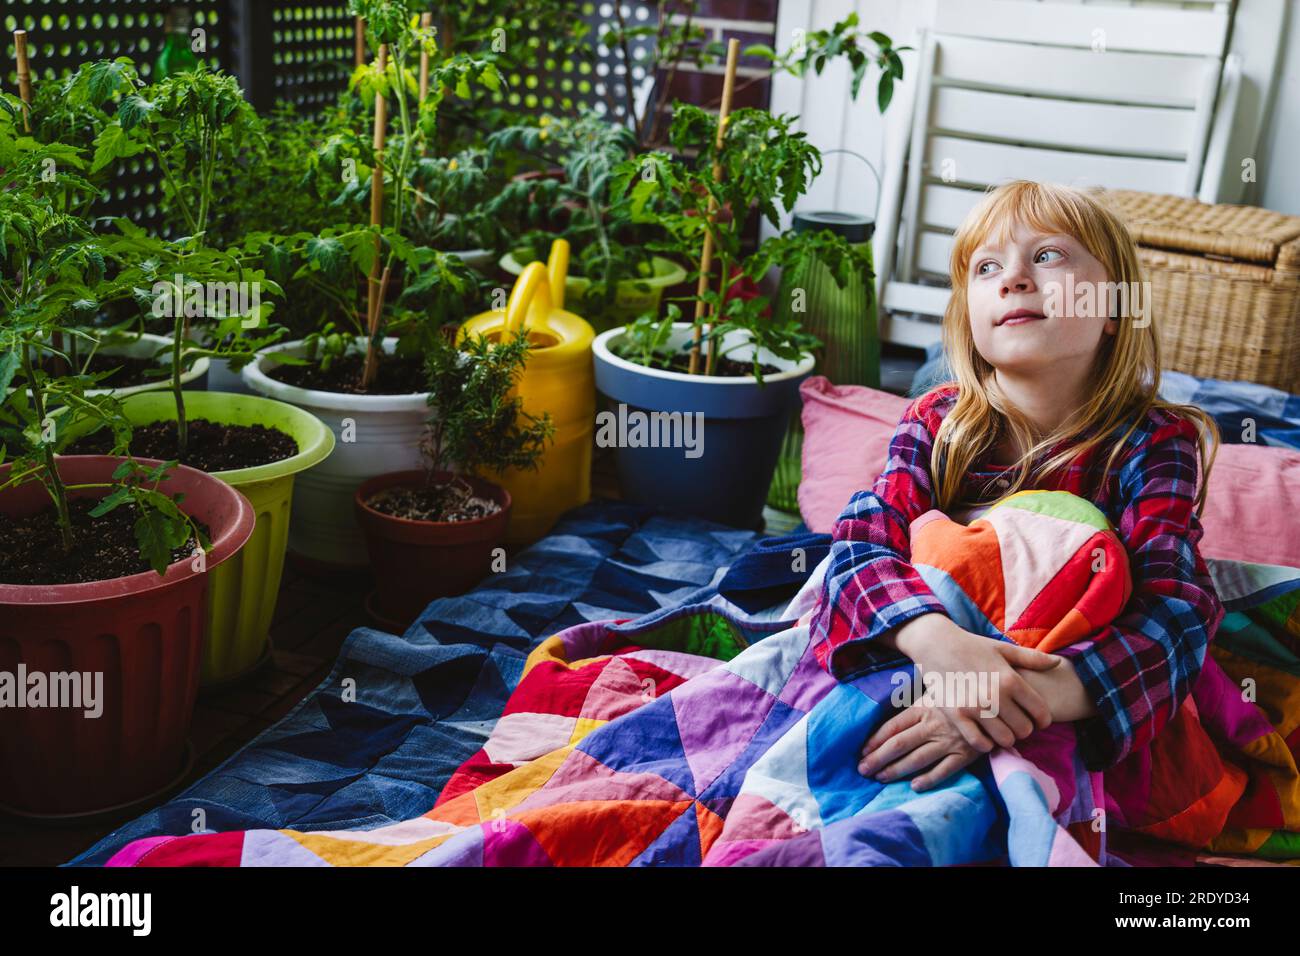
[
  {"x": 363, "y": 374},
  {"x": 192, "y": 124},
  {"x": 615, "y": 276},
  {"x": 435, "y": 531},
  {"x": 728, "y": 378},
  {"x": 104, "y": 561}
]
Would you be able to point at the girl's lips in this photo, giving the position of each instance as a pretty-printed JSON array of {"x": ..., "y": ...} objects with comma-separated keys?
[{"x": 1020, "y": 317}]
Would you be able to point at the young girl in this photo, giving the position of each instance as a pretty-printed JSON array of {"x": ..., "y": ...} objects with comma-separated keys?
[{"x": 1049, "y": 394}]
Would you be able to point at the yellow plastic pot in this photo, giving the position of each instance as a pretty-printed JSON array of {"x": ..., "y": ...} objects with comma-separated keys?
[
  {"x": 558, "y": 380},
  {"x": 242, "y": 591}
]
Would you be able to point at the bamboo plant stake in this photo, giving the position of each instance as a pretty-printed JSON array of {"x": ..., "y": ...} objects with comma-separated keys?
[
  {"x": 706, "y": 257},
  {"x": 359, "y": 40},
  {"x": 426, "y": 21},
  {"x": 375, "y": 284},
  {"x": 24, "y": 77}
]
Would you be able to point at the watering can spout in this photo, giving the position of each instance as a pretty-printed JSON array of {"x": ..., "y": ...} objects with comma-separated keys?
[
  {"x": 557, "y": 267},
  {"x": 538, "y": 290}
]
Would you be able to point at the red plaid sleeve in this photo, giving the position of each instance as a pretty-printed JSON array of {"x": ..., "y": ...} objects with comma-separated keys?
[
  {"x": 870, "y": 586},
  {"x": 1139, "y": 670}
]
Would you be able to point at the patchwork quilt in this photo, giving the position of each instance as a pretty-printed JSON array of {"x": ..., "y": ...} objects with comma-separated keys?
[
  {"x": 426, "y": 701},
  {"x": 690, "y": 736}
]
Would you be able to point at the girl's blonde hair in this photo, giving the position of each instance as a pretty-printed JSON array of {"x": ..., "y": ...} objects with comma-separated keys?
[{"x": 1125, "y": 377}]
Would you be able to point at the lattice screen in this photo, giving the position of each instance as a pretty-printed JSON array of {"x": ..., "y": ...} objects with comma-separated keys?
[
  {"x": 559, "y": 84},
  {"x": 301, "y": 51},
  {"x": 312, "y": 51},
  {"x": 63, "y": 34}
]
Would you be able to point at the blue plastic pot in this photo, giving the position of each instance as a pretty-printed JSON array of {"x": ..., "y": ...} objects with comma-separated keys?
[{"x": 743, "y": 424}]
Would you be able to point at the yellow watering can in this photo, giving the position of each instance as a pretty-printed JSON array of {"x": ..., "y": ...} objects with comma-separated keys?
[{"x": 558, "y": 379}]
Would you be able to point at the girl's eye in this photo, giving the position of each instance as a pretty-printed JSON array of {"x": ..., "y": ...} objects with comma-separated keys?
[
  {"x": 985, "y": 267},
  {"x": 1048, "y": 252}
]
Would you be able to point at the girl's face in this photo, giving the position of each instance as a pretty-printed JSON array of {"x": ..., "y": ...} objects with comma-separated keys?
[{"x": 1038, "y": 301}]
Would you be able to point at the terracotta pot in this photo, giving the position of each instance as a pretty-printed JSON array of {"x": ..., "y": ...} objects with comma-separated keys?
[
  {"x": 417, "y": 561},
  {"x": 144, "y": 633}
]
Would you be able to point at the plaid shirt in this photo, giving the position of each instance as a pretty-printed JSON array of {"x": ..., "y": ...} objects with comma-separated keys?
[{"x": 1137, "y": 670}]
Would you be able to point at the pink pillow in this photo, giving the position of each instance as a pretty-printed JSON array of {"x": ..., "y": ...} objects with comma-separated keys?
[
  {"x": 1252, "y": 510},
  {"x": 845, "y": 443}
]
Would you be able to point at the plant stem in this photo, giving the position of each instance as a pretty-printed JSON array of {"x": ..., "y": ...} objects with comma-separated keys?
[
  {"x": 182, "y": 425},
  {"x": 167, "y": 174},
  {"x": 724, "y": 268},
  {"x": 53, "y": 481}
]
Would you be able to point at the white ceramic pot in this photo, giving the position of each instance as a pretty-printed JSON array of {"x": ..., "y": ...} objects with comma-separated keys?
[{"x": 374, "y": 434}]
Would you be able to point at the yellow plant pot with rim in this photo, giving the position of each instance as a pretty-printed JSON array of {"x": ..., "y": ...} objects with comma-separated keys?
[
  {"x": 242, "y": 592},
  {"x": 558, "y": 379}
]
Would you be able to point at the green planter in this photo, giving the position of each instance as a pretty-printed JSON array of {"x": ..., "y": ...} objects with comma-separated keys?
[
  {"x": 242, "y": 591},
  {"x": 845, "y": 321},
  {"x": 632, "y": 298}
]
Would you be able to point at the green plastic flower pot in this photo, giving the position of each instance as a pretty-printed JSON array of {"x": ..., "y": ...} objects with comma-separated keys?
[
  {"x": 243, "y": 591},
  {"x": 632, "y": 298}
]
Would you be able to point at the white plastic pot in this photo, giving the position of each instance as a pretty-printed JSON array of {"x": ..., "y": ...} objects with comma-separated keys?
[{"x": 374, "y": 434}]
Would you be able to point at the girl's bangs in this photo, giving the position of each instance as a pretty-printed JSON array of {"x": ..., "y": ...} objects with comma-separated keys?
[{"x": 1032, "y": 205}]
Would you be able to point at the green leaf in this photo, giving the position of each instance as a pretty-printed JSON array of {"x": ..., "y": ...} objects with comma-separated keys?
[
  {"x": 135, "y": 109},
  {"x": 112, "y": 144},
  {"x": 9, "y": 363},
  {"x": 119, "y": 496},
  {"x": 885, "y": 91},
  {"x": 327, "y": 254}
]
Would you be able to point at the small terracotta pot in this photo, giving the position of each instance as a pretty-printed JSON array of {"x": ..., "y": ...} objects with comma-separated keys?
[{"x": 416, "y": 562}]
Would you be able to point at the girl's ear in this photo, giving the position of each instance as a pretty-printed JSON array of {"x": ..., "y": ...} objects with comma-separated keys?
[{"x": 1111, "y": 327}]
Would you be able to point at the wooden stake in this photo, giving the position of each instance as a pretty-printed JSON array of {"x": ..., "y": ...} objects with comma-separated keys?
[
  {"x": 24, "y": 77},
  {"x": 359, "y": 36},
  {"x": 426, "y": 21},
  {"x": 706, "y": 258},
  {"x": 376, "y": 303}
]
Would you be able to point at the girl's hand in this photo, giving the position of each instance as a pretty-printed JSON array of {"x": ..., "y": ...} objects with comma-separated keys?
[
  {"x": 914, "y": 739},
  {"x": 1015, "y": 709}
]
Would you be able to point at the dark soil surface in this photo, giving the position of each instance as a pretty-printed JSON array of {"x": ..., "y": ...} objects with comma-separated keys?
[
  {"x": 396, "y": 376},
  {"x": 31, "y": 548},
  {"x": 725, "y": 368},
  {"x": 432, "y": 503},
  {"x": 129, "y": 371},
  {"x": 212, "y": 446}
]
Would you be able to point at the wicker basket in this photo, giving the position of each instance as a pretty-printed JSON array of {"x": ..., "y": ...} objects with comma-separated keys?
[{"x": 1225, "y": 284}]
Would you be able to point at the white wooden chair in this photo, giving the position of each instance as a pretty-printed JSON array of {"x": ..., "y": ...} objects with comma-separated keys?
[{"x": 1121, "y": 97}]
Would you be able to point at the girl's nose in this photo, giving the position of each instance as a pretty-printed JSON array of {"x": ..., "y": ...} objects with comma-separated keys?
[{"x": 1016, "y": 279}]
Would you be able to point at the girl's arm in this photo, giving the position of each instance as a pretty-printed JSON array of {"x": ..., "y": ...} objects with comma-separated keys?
[
  {"x": 870, "y": 587},
  {"x": 1064, "y": 692},
  {"x": 1138, "y": 671}
]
